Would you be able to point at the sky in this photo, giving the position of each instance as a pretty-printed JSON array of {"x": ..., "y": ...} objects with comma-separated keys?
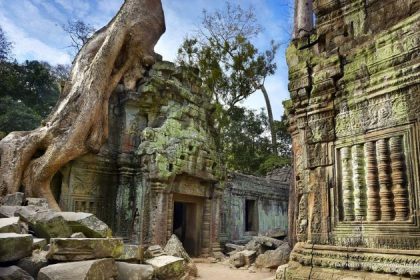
[{"x": 35, "y": 29}]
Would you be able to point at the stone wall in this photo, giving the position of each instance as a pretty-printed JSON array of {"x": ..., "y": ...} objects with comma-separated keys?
[
  {"x": 269, "y": 198},
  {"x": 354, "y": 117}
]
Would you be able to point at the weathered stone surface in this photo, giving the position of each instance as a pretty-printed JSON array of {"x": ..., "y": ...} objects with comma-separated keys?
[
  {"x": 10, "y": 225},
  {"x": 14, "y": 199},
  {"x": 274, "y": 258},
  {"x": 86, "y": 270},
  {"x": 78, "y": 235},
  {"x": 76, "y": 249},
  {"x": 14, "y": 273},
  {"x": 44, "y": 223},
  {"x": 14, "y": 246},
  {"x": 354, "y": 120},
  {"x": 174, "y": 248},
  {"x": 153, "y": 251},
  {"x": 167, "y": 267},
  {"x": 34, "y": 263},
  {"x": 249, "y": 256},
  {"x": 132, "y": 253},
  {"x": 39, "y": 243},
  {"x": 35, "y": 201},
  {"x": 127, "y": 271},
  {"x": 237, "y": 260},
  {"x": 86, "y": 223}
]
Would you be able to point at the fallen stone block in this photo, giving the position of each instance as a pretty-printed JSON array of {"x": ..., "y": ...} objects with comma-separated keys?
[
  {"x": 249, "y": 256},
  {"x": 35, "y": 201},
  {"x": 219, "y": 256},
  {"x": 44, "y": 223},
  {"x": 131, "y": 253},
  {"x": 154, "y": 251},
  {"x": 77, "y": 249},
  {"x": 14, "y": 273},
  {"x": 86, "y": 270},
  {"x": 167, "y": 267},
  {"x": 86, "y": 223},
  {"x": 14, "y": 246},
  {"x": 274, "y": 258},
  {"x": 174, "y": 248},
  {"x": 232, "y": 247},
  {"x": 34, "y": 263},
  {"x": 39, "y": 243},
  {"x": 14, "y": 199},
  {"x": 10, "y": 225},
  {"x": 128, "y": 271},
  {"x": 237, "y": 260}
]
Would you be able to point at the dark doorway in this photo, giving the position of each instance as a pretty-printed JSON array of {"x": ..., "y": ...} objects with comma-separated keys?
[
  {"x": 187, "y": 219},
  {"x": 251, "y": 215}
]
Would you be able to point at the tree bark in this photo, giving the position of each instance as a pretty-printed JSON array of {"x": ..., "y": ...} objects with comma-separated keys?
[
  {"x": 117, "y": 53},
  {"x": 303, "y": 19},
  {"x": 270, "y": 119}
]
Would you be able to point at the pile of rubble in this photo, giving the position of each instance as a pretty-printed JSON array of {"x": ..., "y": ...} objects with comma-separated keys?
[
  {"x": 39, "y": 243},
  {"x": 261, "y": 252}
]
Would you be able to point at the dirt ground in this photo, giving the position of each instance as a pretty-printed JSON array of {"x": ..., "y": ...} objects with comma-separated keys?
[{"x": 218, "y": 271}]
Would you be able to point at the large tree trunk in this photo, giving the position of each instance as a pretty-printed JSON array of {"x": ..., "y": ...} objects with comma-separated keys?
[
  {"x": 119, "y": 52},
  {"x": 270, "y": 119}
]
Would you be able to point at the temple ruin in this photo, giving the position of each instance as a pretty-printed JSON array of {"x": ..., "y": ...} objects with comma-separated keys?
[{"x": 354, "y": 118}]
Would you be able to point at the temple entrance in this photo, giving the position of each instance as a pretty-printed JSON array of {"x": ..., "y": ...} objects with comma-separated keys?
[{"x": 187, "y": 219}]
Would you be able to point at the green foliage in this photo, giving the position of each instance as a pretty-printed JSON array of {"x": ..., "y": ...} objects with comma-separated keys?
[
  {"x": 230, "y": 65},
  {"x": 273, "y": 162},
  {"x": 5, "y": 46},
  {"x": 16, "y": 116},
  {"x": 28, "y": 91}
]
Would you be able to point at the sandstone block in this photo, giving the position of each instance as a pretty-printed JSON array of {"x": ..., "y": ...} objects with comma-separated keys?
[
  {"x": 237, "y": 260},
  {"x": 77, "y": 249},
  {"x": 39, "y": 243},
  {"x": 167, "y": 267},
  {"x": 128, "y": 271},
  {"x": 86, "y": 223},
  {"x": 35, "y": 201},
  {"x": 14, "y": 199},
  {"x": 86, "y": 270},
  {"x": 78, "y": 235},
  {"x": 174, "y": 248},
  {"x": 274, "y": 258},
  {"x": 14, "y": 273},
  {"x": 10, "y": 225},
  {"x": 131, "y": 253},
  {"x": 249, "y": 256},
  {"x": 34, "y": 263},
  {"x": 154, "y": 251},
  {"x": 14, "y": 246},
  {"x": 45, "y": 223}
]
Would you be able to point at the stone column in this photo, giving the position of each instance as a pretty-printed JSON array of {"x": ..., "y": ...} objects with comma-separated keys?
[
  {"x": 158, "y": 213},
  {"x": 205, "y": 237},
  {"x": 373, "y": 211},
  {"x": 215, "y": 224},
  {"x": 398, "y": 178},
  {"x": 347, "y": 182},
  {"x": 303, "y": 22},
  {"x": 385, "y": 194},
  {"x": 359, "y": 186}
]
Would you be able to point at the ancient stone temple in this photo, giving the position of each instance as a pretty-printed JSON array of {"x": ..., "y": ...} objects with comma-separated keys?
[
  {"x": 158, "y": 169},
  {"x": 355, "y": 122}
]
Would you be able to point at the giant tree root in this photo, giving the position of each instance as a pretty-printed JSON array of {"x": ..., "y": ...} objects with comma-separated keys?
[{"x": 117, "y": 53}]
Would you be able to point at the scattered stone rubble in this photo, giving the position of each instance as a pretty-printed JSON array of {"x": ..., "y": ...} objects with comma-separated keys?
[
  {"x": 261, "y": 252},
  {"x": 39, "y": 243}
]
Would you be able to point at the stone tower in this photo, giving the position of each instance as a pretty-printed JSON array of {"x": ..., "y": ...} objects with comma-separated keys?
[{"x": 355, "y": 122}]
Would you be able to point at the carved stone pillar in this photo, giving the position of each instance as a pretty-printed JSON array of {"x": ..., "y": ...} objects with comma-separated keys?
[
  {"x": 398, "y": 179},
  {"x": 215, "y": 225},
  {"x": 348, "y": 204},
  {"x": 159, "y": 213},
  {"x": 385, "y": 194},
  {"x": 373, "y": 206},
  {"x": 359, "y": 185},
  {"x": 205, "y": 245}
]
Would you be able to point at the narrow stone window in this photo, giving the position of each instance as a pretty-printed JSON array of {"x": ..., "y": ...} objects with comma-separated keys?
[{"x": 251, "y": 215}]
